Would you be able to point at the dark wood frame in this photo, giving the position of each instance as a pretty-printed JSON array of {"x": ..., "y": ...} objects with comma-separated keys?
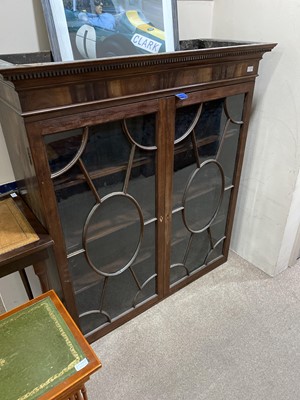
[{"x": 39, "y": 100}]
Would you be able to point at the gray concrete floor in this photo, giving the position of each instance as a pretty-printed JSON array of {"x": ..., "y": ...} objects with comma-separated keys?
[{"x": 233, "y": 334}]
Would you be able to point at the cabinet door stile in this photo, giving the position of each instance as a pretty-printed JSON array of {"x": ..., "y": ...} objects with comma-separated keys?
[
  {"x": 50, "y": 213},
  {"x": 238, "y": 170},
  {"x": 165, "y": 159}
]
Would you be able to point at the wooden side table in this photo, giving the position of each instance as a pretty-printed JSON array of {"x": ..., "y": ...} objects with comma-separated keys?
[
  {"x": 23, "y": 242},
  {"x": 43, "y": 354}
]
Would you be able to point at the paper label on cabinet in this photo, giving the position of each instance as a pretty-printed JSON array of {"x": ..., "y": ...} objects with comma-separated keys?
[{"x": 83, "y": 363}]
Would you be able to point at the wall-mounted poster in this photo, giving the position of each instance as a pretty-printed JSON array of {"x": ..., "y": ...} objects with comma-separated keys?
[{"x": 87, "y": 29}]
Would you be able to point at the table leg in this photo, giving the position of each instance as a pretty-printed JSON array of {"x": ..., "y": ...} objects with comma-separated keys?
[
  {"x": 79, "y": 395},
  {"x": 26, "y": 283},
  {"x": 40, "y": 269},
  {"x": 84, "y": 393}
]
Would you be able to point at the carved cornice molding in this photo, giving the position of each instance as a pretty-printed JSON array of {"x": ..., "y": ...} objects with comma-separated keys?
[{"x": 128, "y": 64}]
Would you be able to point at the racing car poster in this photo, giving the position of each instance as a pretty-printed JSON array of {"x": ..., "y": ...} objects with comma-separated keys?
[{"x": 88, "y": 29}]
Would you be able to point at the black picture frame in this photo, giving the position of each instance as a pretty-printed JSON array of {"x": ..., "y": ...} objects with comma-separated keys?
[{"x": 77, "y": 30}]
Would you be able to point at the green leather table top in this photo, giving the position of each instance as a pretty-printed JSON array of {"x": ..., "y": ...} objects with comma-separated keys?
[{"x": 37, "y": 351}]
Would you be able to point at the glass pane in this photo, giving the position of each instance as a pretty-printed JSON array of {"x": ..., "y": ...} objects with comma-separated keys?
[
  {"x": 227, "y": 155},
  {"x": 218, "y": 227},
  {"x": 202, "y": 196},
  {"x": 101, "y": 299},
  {"x": 206, "y": 141},
  {"x": 105, "y": 187},
  {"x": 189, "y": 250},
  {"x": 109, "y": 225},
  {"x": 62, "y": 151}
]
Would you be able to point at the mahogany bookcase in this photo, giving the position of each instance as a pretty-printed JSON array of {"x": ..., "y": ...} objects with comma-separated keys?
[{"x": 133, "y": 166}]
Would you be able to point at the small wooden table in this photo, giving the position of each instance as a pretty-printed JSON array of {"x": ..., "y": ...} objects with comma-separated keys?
[
  {"x": 23, "y": 242},
  {"x": 43, "y": 354}
]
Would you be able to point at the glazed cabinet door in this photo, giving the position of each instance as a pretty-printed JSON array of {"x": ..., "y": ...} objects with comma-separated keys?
[
  {"x": 106, "y": 180},
  {"x": 145, "y": 195},
  {"x": 210, "y": 133}
]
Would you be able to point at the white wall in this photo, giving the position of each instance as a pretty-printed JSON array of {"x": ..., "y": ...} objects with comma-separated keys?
[
  {"x": 195, "y": 19},
  {"x": 26, "y": 34},
  {"x": 268, "y": 211}
]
